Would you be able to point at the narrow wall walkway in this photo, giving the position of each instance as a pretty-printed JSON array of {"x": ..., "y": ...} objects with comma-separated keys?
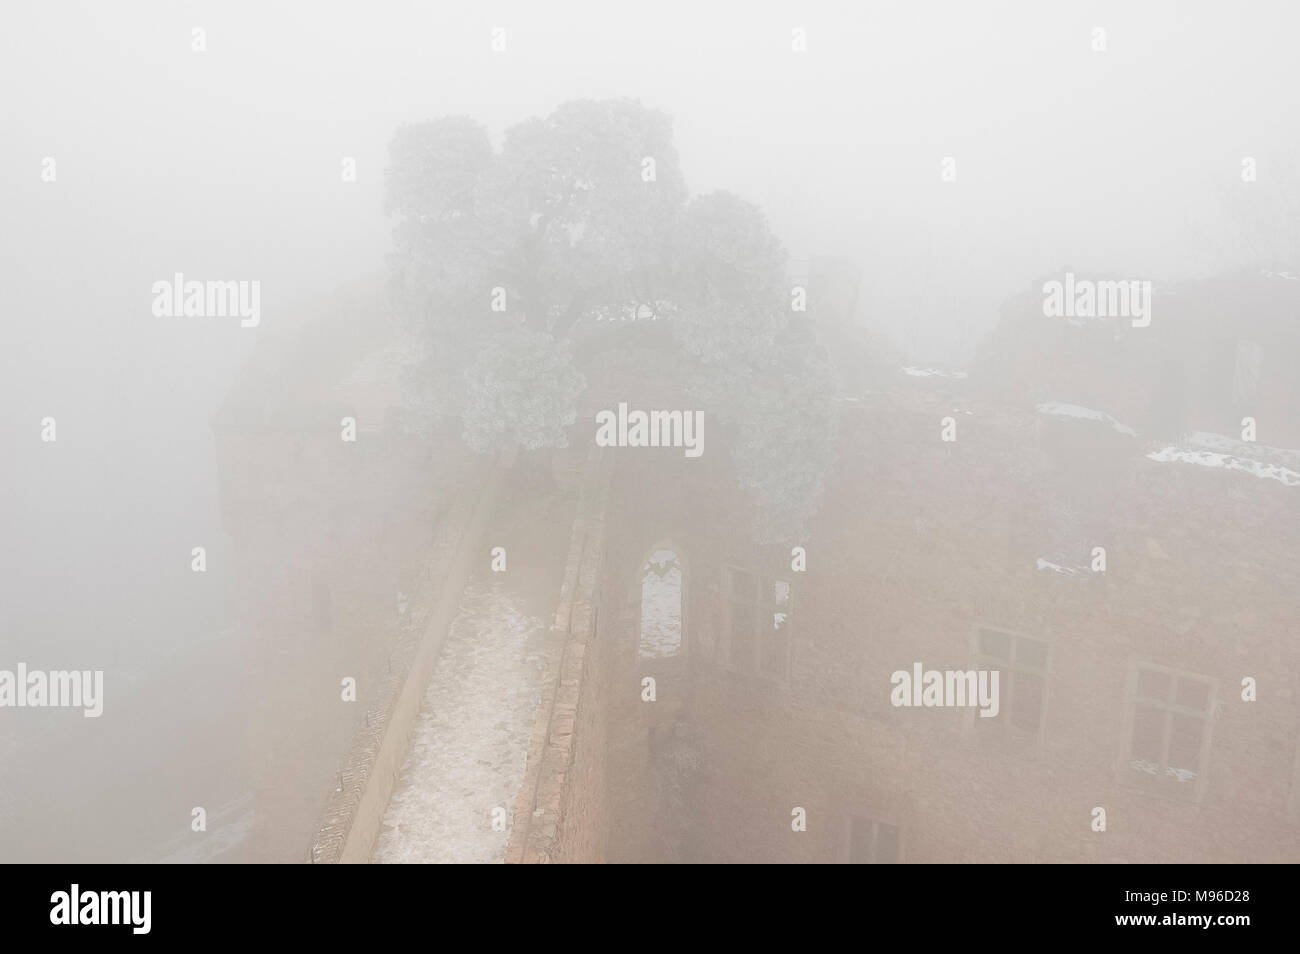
[
  {"x": 470, "y": 744},
  {"x": 471, "y": 741}
]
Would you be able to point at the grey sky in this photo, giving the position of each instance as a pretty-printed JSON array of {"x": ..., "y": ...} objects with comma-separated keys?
[{"x": 225, "y": 164}]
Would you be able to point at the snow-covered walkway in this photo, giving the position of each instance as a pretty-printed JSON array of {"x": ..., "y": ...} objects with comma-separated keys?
[{"x": 471, "y": 741}]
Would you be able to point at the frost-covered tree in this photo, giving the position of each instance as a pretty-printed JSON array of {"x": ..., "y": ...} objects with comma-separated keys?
[
  {"x": 506, "y": 261},
  {"x": 520, "y": 391}
]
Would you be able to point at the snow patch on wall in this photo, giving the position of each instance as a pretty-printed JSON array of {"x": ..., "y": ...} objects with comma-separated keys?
[
  {"x": 1227, "y": 462},
  {"x": 1059, "y": 409},
  {"x": 931, "y": 373},
  {"x": 1282, "y": 456},
  {"x": 1056, "y": 567}
]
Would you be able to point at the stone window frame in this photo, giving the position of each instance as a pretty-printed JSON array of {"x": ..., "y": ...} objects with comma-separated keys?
[
  {"x": 667, "y": 543},
  {"x": 1008, "y": 668},
  {"x": 766, "y": 583},
  {"x": 1169, "y": 706}
]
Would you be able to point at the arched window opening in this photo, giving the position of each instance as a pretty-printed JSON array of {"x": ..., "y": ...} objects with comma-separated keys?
[{"x": 661, "y": 605}]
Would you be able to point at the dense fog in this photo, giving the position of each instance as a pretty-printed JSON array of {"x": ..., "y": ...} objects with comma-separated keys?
[{"x": 224, "y": 163}]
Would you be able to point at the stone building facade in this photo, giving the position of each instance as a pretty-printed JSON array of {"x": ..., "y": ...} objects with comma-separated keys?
[
  {"x": 772, "y": 736},
  {"x": 1121, "y": 682}
]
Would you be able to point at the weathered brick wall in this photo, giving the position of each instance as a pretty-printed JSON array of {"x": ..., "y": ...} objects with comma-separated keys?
[
  {"x": 354, "y": 811},
  {"x": 561, "y": 811},
  {"x": 321, "y": 556},
  {"x": 918, "y": 543},
  {"x": 658, "y": 498}
]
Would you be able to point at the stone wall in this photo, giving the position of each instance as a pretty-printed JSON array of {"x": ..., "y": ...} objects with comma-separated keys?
[
  {"x": 561, "y": 814},
  {"x": 919, "y": 543},
  {"x": 354, "y": 811}
]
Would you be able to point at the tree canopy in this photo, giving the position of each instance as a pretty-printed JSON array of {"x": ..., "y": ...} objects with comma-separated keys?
[{"x": 503, "y": 257}]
